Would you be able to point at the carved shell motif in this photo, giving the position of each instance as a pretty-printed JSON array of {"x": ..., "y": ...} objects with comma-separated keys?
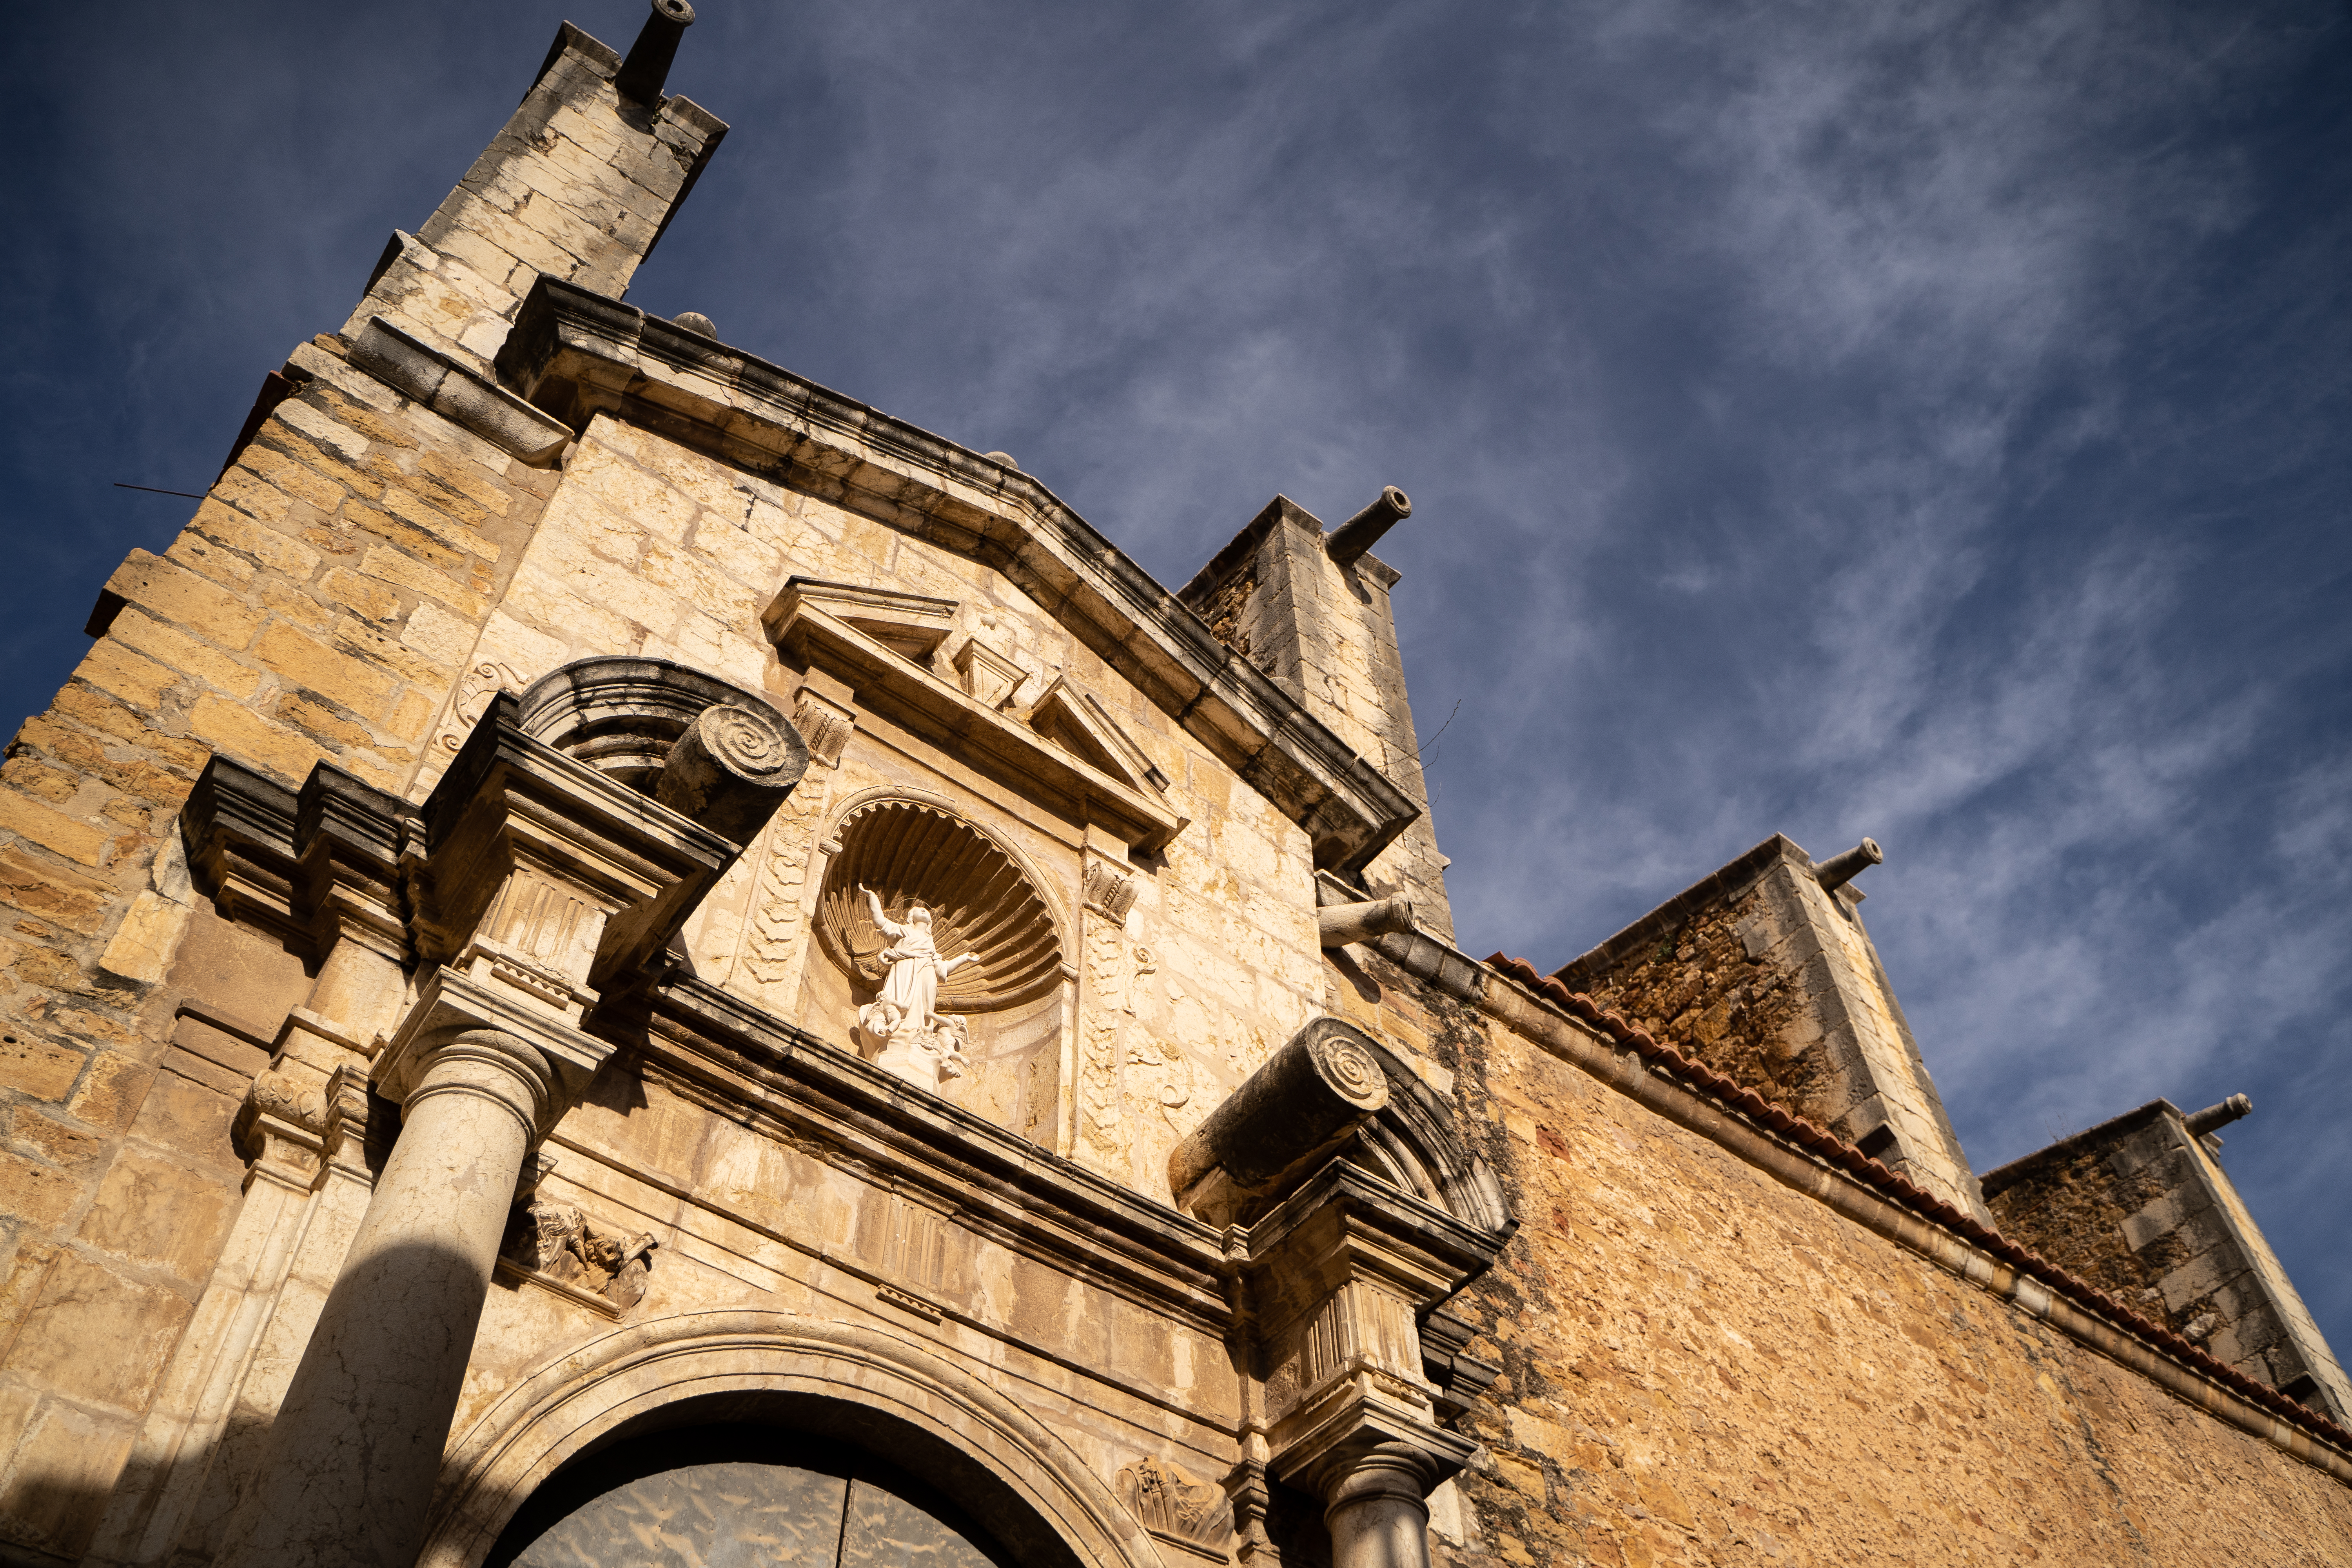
[{"x": 980, "y": 901}]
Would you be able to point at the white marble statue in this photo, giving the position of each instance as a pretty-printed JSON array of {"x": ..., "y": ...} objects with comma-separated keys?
[{"x": 918, "y": 1044}]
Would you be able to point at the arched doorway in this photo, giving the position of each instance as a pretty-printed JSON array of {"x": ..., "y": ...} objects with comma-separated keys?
[
  {"x": 861, "y": 1395},
  {"x": 737, "y": 1495}
]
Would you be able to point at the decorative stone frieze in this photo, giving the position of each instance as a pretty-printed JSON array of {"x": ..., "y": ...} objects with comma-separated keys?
[{"x": 1192, "y": 1516}]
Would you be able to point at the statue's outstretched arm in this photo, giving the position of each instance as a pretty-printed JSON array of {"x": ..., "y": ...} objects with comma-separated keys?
[
  {"x": 949, "y": 966},
  {"x": 890, "y": 928}
]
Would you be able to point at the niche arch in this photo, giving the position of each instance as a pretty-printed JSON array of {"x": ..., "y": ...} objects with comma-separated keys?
[
  {"x": 985, "y": 894},
  {"x": 620, "y": 713},
  {"x": 997, "y": 1462}
]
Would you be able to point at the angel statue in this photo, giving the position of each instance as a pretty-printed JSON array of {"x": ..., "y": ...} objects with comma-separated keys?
[{"x": 910, "y": 999}]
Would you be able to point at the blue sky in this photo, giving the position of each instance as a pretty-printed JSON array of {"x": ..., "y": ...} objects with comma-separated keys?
[{"x": 1925, "y": 421}]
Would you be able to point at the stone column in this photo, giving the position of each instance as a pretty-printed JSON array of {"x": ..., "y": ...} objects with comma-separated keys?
[
  {"x": 352, "y": 1456},
  {"x": 1377, "y": 1512}
]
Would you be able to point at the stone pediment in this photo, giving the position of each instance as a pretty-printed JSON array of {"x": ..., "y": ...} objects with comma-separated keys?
[
  {"x": 802, "y": 621},
  {"x": 574, "y": 353},
  {"x": 1078, "y": 721},
  {"x": 913, "y": 624}
]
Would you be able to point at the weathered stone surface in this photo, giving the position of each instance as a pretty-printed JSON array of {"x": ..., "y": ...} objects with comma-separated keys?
[{"x": 1768, "y": 976}]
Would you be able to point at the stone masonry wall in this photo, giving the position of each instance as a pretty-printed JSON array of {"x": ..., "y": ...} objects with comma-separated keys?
[
  {"x": 314, "y": 608},
  {"x": 1772, "y": 979},
  {"x": 1326, "y": 634},
  {"x": 1703, "y": 1366},
  {"x": 576, "y": 185},
  {"x": 653, "y": 548},
  {"x": 2075, "y": 1210},
  {"x": 2140, "y": 1209}
]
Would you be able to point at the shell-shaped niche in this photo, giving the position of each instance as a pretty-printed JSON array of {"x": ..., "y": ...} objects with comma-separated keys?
[
  {"x": 980, "y": 901},
  {"x": 620, "y": 715}
]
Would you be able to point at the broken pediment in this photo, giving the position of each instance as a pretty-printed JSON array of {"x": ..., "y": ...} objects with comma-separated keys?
[
  {"x": 1077, "y": 721},
  {"x": 913, "y": 624},
  {"x": 988, "y": 676},
  {"x": 811, "y": 632}
]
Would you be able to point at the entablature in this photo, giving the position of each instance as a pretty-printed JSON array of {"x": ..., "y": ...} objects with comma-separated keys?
[{"x": 765, "y": 1073}]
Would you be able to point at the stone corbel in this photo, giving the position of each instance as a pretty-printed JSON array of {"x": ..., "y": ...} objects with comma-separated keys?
[
  {"x": 1107, "y": 891},
  {"x": 823, "y": 712},
  {"x": 1341, "y": 1268}
]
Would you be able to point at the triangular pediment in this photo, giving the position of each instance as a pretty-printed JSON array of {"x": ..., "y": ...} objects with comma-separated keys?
[
  {"x": 1077, "y": 721},
  {"x": 910, "y": 623}
]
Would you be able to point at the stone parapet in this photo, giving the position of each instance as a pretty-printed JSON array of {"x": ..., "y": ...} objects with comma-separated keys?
[{"x": 1766, "y": 971}]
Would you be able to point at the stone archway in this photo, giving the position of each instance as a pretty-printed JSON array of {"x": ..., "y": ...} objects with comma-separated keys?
[
  {"x": 740, "y": 1495},
  {"x": 998, "y": 1463}
]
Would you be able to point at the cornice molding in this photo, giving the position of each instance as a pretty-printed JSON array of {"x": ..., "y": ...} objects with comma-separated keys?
[{"x": 574, "y": 353}]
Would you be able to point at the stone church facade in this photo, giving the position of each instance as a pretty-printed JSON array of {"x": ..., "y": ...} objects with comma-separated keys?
[{"x": 615, "y": 957}]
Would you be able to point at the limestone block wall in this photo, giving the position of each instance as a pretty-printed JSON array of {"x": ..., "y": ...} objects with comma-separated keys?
[
  {"x": 1773, "y": 980},
  {"x": 1702, "y": 1363},
  {"x": 1325, "y": 632},
  {"x": 2144, "y": 1208},
  {"x": 651, "y": 547},
  {"x": 577, "y": 186},
  {"x": 314, "y": 607}
]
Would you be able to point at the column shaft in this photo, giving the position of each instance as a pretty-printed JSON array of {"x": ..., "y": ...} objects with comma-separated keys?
[
  {"x": 1376, "y": 1510},
  {"x": 352, "y": 1456}
]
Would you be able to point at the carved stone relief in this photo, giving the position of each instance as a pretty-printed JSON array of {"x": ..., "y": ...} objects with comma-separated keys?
[
  {"x": 989, "y": 675},
  {"x": 1102, "y": 1139},
  {"x": 475, "y": 690},
  {"x": 1108, "y": 893},
  {"x": 911, "y": 852},
  {"x": 1176, "y": 1508},
  {"x": 824, "y": 725},
  {"x": 552, "y": 1241}
]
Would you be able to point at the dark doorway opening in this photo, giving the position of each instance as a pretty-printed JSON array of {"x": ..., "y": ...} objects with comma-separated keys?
[{"x": 735, "y": 1495}]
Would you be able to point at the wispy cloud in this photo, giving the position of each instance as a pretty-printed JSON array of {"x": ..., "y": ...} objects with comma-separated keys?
[{"x": 1835, "y": 418}]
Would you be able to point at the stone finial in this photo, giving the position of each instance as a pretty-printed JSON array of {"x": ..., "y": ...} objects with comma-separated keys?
[
  {"x": 647, "y": 68},
  {"x": 1363, "y": 531},
  {"x": 1839, "y": 869},
  {"x": 696, "y": 322},
  {"x": 732, "y": 768},
  {"x": 1003, "y": 457},
  {"x": 2213, "y": 1118}
]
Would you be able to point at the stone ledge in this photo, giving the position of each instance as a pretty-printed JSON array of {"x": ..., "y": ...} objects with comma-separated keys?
[{"x": 472, "y": 402}]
